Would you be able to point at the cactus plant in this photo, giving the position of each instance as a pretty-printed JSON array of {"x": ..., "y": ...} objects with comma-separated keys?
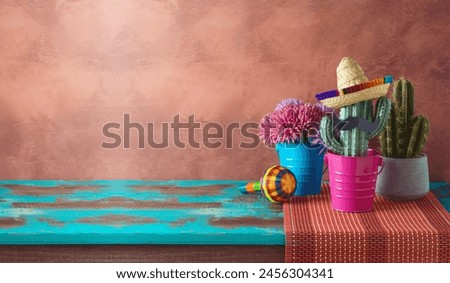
[
  {"x": 355, "y": 142},
  {"x": 405, "y": 135}
]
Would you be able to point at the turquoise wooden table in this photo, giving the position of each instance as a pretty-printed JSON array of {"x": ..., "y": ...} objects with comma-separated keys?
[
  {"x": 141, "y": 221},
  {"x": 163, "y": 216}
]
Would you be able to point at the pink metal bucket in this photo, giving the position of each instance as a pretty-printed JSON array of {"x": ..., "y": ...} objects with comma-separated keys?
[{"x": 353, "y": 181}]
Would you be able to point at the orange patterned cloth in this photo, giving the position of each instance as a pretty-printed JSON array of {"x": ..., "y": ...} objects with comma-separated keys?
[{"x": 416, "y": 231}]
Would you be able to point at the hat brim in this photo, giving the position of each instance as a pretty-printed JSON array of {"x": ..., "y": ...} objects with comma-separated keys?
[{"x": 352, "y": 98}]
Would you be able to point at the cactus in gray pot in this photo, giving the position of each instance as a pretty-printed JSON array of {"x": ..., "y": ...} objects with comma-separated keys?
[{"x": 405, "y": 134}]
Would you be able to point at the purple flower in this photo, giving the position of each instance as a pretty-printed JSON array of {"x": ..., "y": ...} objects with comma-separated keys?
[{"x": 288, "y": 101}]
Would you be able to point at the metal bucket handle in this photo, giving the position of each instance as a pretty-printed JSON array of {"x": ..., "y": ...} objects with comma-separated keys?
[
  {"x": 380, "y": 163},
  {"x": 326, "y": 163}
]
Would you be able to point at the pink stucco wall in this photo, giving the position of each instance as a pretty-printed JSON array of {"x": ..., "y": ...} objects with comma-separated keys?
[{"x": 69, "y": 67}]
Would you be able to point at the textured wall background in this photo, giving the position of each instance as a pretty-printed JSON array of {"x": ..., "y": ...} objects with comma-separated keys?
[{"x": 69, "y": 67}]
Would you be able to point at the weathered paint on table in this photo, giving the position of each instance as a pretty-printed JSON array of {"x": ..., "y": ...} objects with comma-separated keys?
[
  {"x": 442, "y": 192},
  {"x": 136, "y": 212}
]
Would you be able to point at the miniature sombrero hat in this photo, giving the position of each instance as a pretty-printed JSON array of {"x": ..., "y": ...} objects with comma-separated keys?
[{"x": 353, "y": 86}]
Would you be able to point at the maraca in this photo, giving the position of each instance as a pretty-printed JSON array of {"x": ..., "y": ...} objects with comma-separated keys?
[{"x": 277, "y": 184}]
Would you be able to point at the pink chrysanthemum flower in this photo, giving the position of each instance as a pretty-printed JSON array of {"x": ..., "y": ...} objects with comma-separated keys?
[
  {"x": 290, "y": 122},
  {"x": 267, "y": 130}
]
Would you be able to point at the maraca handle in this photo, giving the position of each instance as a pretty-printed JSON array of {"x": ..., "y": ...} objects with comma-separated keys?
[{"x": 250, "y": 188}]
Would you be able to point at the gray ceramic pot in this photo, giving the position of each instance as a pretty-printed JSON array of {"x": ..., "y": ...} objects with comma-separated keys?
[{"x": 403, "y": 178}]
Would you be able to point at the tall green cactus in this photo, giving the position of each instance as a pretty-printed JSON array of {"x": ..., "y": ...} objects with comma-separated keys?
[
  {"x": 355, "y": 142},
  {"x": 405, "y": 135}
]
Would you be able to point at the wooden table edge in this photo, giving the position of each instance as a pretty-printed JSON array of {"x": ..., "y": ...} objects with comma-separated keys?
[{"x": 140, "y": 253}]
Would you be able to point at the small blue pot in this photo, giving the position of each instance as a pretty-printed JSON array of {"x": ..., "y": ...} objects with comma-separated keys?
[{"x": 306, "y": 162}]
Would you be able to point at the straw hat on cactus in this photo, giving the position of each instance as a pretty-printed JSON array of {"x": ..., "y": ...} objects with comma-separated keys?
[{"x": 353, "y": 86}]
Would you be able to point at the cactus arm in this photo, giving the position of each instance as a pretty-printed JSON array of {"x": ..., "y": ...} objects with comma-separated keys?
[
  {"x": 389, "y": 136},
  {"x": 355, "y": 147},
  {"x": 328, "y": 137},
  {"x": 392, "y": 141},
  {"x": 400, "y": 122},
  {"x": 368, "y": 112},
  {"x": 407, "y": 111},
  {"x": 383, "y": 109},
  {"x": 396, "y": 96},
  {"x": 407, "y": 98},
  {"x": 383, "y": 143},
  {"x": 363, "y": 109},
  {"x": 419, "y": 134},
  {"x": 346, "y": 136},
  {"x": 404, "y": 105},
  {"x": 404, "y": 99},
  {"x": 401, "y": 136}
]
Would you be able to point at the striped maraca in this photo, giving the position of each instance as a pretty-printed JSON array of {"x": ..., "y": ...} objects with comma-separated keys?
[{"x": 277, "y": 184}]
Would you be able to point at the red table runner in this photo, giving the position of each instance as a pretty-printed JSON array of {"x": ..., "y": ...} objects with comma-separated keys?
[{"x": 416, "y": 231}]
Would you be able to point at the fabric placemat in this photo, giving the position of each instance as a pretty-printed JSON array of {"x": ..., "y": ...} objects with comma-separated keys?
[{"x": 415, "y": 231}]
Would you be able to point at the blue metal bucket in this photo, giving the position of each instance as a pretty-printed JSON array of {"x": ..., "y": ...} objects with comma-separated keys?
[{"x": 306, "y": 162}]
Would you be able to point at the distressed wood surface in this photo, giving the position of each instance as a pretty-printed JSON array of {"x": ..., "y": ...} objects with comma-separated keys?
[{"x": 136, "y": 212}]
